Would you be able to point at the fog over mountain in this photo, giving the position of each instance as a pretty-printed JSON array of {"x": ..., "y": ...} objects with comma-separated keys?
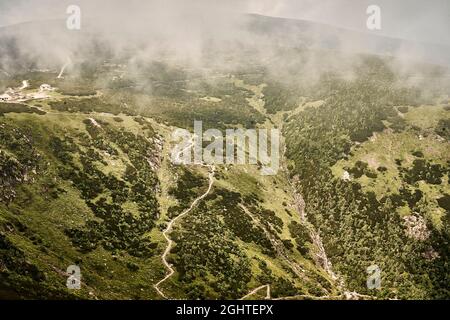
[
  {"x": 186, "y": 30},
  {"x": 416, "y": 20},
  {"x": 99, "y": 199}
]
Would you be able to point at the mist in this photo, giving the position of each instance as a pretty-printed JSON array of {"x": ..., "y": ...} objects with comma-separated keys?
[{"x": 205, "y": 35}]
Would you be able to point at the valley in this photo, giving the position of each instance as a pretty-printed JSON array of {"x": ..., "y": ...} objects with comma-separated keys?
[{"x": 88, "y": 178}]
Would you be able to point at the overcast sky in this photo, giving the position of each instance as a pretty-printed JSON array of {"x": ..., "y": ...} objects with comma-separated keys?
[{"x": 419, "y": 20}]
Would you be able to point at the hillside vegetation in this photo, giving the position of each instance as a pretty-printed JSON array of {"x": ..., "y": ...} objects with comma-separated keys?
[{"x": 86, "y": 179}]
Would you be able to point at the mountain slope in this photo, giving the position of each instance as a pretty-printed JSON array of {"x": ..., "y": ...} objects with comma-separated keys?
[{"x": 87, "y": 179}]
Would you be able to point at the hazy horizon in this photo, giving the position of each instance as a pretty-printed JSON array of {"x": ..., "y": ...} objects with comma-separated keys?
[{"x": 419, "y": 21}]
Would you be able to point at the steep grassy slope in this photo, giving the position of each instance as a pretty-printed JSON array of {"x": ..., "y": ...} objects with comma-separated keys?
[
  {"x": 89, "y": 182},
  {"x": 80, "y": 191}
]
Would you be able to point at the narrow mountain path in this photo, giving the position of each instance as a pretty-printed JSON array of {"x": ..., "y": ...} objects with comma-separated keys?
[
  {"x": 267, "y": 286},
  {"x": 347, "y": 295},
  {"x": 169, "y": 228},
  {"x": 60, "y": 75}
]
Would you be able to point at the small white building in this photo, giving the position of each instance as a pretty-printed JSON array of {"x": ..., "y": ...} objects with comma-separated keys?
[
  {"x": 45, "y": 87},
  {"x": 5, "y": 97}
]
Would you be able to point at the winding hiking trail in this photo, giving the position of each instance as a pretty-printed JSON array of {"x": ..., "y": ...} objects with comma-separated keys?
[
  {"x": 169, "y": 227},
  {"x": 267, "y": 286},
  {"x": 60, "y": 75},
  {"x": 302, "y": 296}
]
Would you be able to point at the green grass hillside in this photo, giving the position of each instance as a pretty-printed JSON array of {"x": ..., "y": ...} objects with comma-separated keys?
[
  {"x": 86, "y": 179},
  {"x": 89, "y": 182}
]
